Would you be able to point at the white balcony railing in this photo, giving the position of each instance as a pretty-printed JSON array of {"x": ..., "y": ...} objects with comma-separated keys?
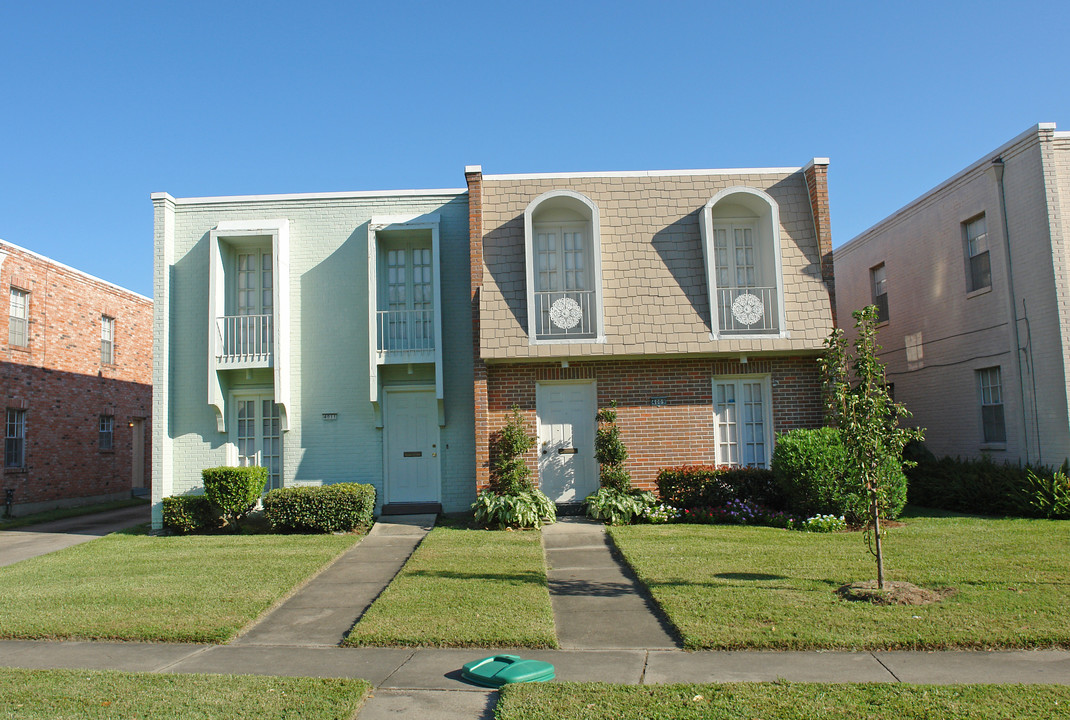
[
  {"x": 568, "y": 314},
  {"x": 406, "y": 331},
  {"x": 748, "y": 310},
  {"x": 244, "y": 340}
]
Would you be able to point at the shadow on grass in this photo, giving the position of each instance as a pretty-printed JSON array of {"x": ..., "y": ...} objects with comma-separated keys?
[
  {"x": 749, "y": 576},
  {"x": 522, "y": 577}
]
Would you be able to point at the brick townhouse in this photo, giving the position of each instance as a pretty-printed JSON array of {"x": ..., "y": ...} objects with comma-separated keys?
[
  {"x": 75, "y": 379},
  {"x": 697, "y": 301}
]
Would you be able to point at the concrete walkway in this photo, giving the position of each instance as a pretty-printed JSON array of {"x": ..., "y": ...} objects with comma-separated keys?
[
  {"x": 43, "y": 538},
  {"x": 325, "y": 608},
  {"x": 598, "y": 604}
]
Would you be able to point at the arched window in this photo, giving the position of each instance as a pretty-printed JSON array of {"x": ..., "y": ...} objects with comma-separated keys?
[
  {"x": 741, "y": 244},
  {"x": 564, "y": 268}
]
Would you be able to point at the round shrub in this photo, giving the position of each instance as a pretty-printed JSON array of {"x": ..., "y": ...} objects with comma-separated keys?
[
  {"x": 234, "y": 491},
  {"x": 340, "y": 507},
  {"x": 809, "y": 467},
  {"x": 524, "y": 509}
]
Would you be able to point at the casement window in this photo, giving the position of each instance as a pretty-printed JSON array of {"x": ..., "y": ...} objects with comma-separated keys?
[
  {"x": 742, "y": 422},
  {"x": 249, "y": 334},
  {"x": 990, "y": 384},
  {"x": 979, "y": 275},
  {"x": 15, "y": 439},
  {"x": 257, "y": 435},
  {"x": 563, "y": 268},
  {"x": 741, "y": 248},
  {"x": 18, "y": 318},
  {"x": 107, "y": 340},
  {"x": 106, "y": 432},
  {"x": 879, "y": 285},
  {"x": 407, "y": 317}
]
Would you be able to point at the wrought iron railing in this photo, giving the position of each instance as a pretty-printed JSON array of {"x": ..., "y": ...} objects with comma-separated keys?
[
  {"x": 406, "y": 330},
  {"x": 748, "y": 310},
  {"x": 567, "y": 314},
  {"x": 244, "y": 339}
]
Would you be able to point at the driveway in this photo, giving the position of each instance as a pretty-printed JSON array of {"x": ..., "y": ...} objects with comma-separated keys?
[{"x": 33, "y": 540}]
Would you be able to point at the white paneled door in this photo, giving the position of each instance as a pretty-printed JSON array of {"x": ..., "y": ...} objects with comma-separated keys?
[
  {"x": 411, "y": 447},
  {"x": 567, "y": 469},
  {"x": 741, "y": 414}
]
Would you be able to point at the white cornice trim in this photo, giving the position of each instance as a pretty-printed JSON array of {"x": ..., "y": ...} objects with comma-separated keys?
[
  {"x": 440, "y": 192},
  {"x": 4, "y": 245},
  {"x": 644, "y": 173}
]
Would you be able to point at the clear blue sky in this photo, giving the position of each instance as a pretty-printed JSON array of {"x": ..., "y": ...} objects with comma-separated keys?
[{"x": 103, "y": 103}]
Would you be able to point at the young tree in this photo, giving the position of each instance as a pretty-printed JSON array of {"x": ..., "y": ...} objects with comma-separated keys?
[
  {"x": 610, "y": 452},
  {"x": 858, "y": 404},
  {"x": 510, "y": 473}
]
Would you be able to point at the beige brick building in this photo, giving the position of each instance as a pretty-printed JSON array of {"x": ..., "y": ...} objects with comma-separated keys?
[
  {"x": 972, "y": 279},
  {"x": 698, "y": 301}
]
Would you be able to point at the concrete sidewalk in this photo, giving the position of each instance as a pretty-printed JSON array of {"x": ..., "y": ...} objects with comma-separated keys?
[
  {"x": 598, "y": 604},
  {"x": 325, "y": 609},
  {"x": 43, "y": 538}
]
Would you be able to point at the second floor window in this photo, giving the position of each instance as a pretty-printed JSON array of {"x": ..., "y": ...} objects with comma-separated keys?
[
  {"x": 15, "y": 439},
  {"x": 106, "y": 433},
  {"x": 107, "y": 340},
  {"x": 879, "y": 284},
  {"x": 980, "y": 267},
  {"x": 18, "y": 327},
  {"x": 406, "y": 318}
]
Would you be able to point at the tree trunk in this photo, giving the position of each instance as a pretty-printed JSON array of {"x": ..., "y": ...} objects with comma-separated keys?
[{"x": 875, "y": 514}]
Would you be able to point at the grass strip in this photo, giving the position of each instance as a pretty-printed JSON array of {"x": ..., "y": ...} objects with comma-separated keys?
[
  {"x": 132, "y": 586},
  {"x": 728, "y": 587},
  {"x": 465, "y": 588},
  {"x": 782, "y": 700},
  {"x": 91, "y": 694},
  {"x": 61, "y": 513}
]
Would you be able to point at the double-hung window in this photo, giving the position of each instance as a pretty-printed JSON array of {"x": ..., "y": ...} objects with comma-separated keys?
[
  {"x": 980, "y": 267},
  {"x": 993, "y": 428},
  {"x": 106, "y": 433},
  {"x": 18, "y": 318},
  {"x": 15, "y": 439},
  {"x": 879, "y": 285},
  {"x": 107, "y": 340}
]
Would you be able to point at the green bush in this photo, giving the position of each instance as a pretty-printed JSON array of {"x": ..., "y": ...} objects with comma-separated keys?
[
  {"x": 340, "y": 507},
  {"x": 809, "y": 467},
  {"x": 820, "y": 524},
  {"x": 524, "y": 509},
  {"x": 234, "y": 491},
  {"x": 185, "y": 514},
  {"x": 618, "y": 507},
  {"x": 610, "y": 452},
  {"x": 1048, "y": 495},
  {"x": 510, "y": 473},
  {"x": 990, "y": 488},
  {"x": 690, "y": 486}
]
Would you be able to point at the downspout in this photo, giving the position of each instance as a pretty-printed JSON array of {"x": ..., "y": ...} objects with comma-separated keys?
[{"x": 997, "y": 169}]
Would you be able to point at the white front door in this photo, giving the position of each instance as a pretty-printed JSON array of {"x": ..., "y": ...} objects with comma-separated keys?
[
  {"x": 411, "y": 446},
  {"x": 257, "y": 434},
  {"x": 567, "y": 469},
  {"x": 741, "y": 416}
]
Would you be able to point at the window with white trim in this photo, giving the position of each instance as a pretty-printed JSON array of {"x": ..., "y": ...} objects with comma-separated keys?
[
  {"x": 979, "y": 275},
  {"x": 107, "y": 340},
  {"x": 15, "y": 439},
  {"x": 564, "y": 268},
  {"x": 407, "y": 302},
  {"x": 742, "y": 422},
  {"x": 990, "y": 385},
  {"x": 106, "y": 432},
  {"x": 257, "y": 434},
  {"x": 19, "y": 318},
  {"x": 878, "y": 280}
]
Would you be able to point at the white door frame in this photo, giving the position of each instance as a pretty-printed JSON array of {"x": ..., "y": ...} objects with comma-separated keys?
[
  {"x": 592, "y": 464},
  {"x": 260, "y": 392},
  {"x": 437, "y": 458}
]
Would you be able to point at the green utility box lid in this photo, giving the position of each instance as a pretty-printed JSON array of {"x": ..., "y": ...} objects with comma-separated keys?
[{"x": 498, "y": 670}]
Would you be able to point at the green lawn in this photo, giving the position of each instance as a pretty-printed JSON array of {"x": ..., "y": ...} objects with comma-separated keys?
[
  {"x": 465, "y": 588},
  {"x": 755, "y": 587},
  {"x": 61, "y": 513},
  {"x": 787, "y": 701},
  {"x": 88, "y": 695},
  {"x": 131, "y": 586}
]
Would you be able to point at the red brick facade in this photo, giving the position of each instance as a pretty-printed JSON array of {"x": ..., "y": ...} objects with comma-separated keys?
[
  {"x": 679, "y": 432},
  {"x": 59, "y": 378}
]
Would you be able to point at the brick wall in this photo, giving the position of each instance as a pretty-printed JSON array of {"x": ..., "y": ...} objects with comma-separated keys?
[
  {"x": 58, "y": 378},
  {"x": 679, "y": 432}
]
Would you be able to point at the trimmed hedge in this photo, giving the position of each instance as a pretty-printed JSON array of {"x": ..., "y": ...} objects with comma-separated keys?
[
  {"x": 185, "y": 514},
  {"x": 340, "y": 507},
  {"x": 810, "y": 468},
  {"x": 234, "y": 491},
  {"x": 691, "y": 486}
]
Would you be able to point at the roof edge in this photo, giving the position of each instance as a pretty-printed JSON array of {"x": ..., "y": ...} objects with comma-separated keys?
[{"x": 4, "y": 244}]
